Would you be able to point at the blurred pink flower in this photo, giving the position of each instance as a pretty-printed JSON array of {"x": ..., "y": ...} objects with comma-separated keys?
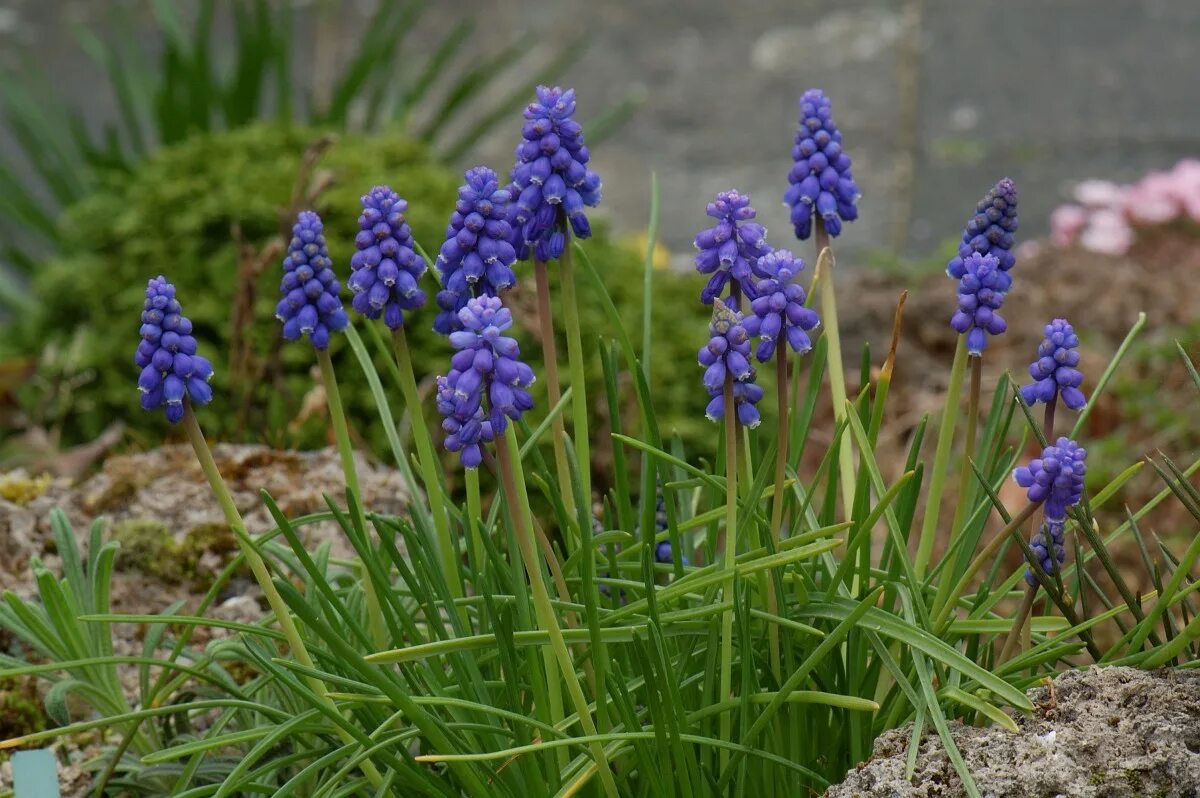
[
  {"x": 1107, "y": 233},
  {"x": 1098, "y": 193},
  {"x": 1066, "y": 223}
]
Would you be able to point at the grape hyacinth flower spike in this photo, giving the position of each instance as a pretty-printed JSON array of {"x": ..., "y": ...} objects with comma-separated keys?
[
  {"x": 385, "y": 269},
  {"x": 1054, "y": 371},
  {"x": 477, "y": 256},
  {"x": 990, "y": 231},
  {"x": 822, "y": 186},
  {"x": 486, "y": 365},
  {"x": 727, "y": 353},
  {"x": 550, "y": 176},
  {"x": 172, "y": 372},
  {"x": 980, "y": 295},
  {"x": 731, "y": 248},
  {"x": 778, "y": 307},
  {"x": 1055, "y": 478},
  {"x": 310, "y": 304}
]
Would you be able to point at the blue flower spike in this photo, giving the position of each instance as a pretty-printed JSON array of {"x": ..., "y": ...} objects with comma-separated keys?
[
  {"x": 386, "y": 269},
  {"x": 728, "y": 353},
  {"x": 477, "y": 256},
  {"x": 172, "y": 372},
  {"x": 779, "y": 312},
  {"x": 822, "y": 187},
  {"x": 980, "y": 295},
  {"x": 310, "y": 305},
  {"x": 991, "y": 231},
  {"x": 486, "y": 365},
  {"x": 551, "y": 182},
  {"x": 1054, "y": 372},
  {"x": 729, "y": 250}
]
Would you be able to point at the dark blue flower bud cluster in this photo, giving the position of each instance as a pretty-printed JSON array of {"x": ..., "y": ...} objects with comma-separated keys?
[
  {"x": 727, "y": 353},
  {"x": 980, "y": 295},
  {"x": 1049, "y": 548},
  {"x": 990, "y": 232},
  {"x": 385, "y": 270},
  {"x": 822, "y": 185},
  {"x": 477, "y": 256},
  {"x": 550, "y": 176},
  {"x": 778, "y": 306},
  {"x": 1055, "y": 478},
  {"x": 486, "y": 363},
  {"x": 310, "y": 305},
  {"x": 730, "y": 249},
  {"x": 1054, "y": 370},
  {"x": 171, "y": 369}
]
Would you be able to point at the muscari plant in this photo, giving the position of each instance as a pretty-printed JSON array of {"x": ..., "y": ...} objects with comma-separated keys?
[{"x": 614, "y": 644}]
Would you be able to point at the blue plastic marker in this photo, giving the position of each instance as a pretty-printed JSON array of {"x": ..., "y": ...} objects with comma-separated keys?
[{"x": 35, "y": 774}]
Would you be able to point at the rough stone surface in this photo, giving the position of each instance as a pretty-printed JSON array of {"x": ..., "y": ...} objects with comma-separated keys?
[
  {"x": 162, "y": 496},
  {"x": 1101, "y": 733}
]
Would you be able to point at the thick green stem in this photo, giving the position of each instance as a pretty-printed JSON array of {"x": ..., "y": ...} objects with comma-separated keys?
[
  {"x": 341, "y": 433},
  {"x": 941, "y": 460},
  {"x": 512, "y": 478},
  {"x": 781, "y": 453},
  {"x": 474, "y": 515},
  {"x": 553, "y": 387},
  {"x": 575, "y": 359},
  {"x": 728, "y": 560},
  {"x": 966, "y": 477},
  {"x": 430, "y": 464},
  {"x": 258, "y": 567},
  {"x": 837, "y": 377}
]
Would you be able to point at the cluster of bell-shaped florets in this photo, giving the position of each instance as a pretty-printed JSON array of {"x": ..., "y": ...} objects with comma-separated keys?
[
  {"x": 730, "y": 249},
  {"x": 385, "y": 270},
  {"x": 1049, "y": 549},
  {"x": 477, "y": 256},
  {"x": 172, "y": 372},
  {"x": 990, "y": 232},
  {"x": 778, "y": 306},
  {"x": 1055, "y": 478},
  {"x": 727, "y": 356},
  {"x": 822, "y": 187},
  {"x": 1054, "y": 370},
  {"x": 487, "y": 364},
  {"x": 551, "y": 181},
  {"x": 310, "y": 305},
  {"x": 980, "y": 295}
]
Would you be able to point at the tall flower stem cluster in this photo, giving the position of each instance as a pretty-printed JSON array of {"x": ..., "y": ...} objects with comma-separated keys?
[
  {"x": 164, "y": 326},
  {"x": 386, "y": 270},
  {"x": 551, "y": 187}
]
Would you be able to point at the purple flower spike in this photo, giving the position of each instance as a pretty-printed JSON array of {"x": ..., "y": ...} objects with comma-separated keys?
[
  {"x": 477, "y": 256},
  {"x": 1054, "y": 370},
  {"x": 778, "y": 305},
  {"x": 1049, "y": 547},
  {"x": 486, "y": 365},
  {"x": 990, "y": 232},
  {"x": 730, "y": 249},
  {"x": 979, "y": 299},
  {"x": 1055, "y": 478},
  {"x": 550, "y": 181},
  {"x": 310, "y": 304},
  {"x": 172, "y": 372},
  {"x": 727, "y": 353},
  {"x": 822, "y": 186},
  {"x": 385, "y": 270}
]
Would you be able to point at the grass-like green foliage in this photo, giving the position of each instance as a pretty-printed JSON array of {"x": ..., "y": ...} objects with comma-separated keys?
[
  {"x": 175, "y": 215},
  {"x": 468, "y": 696}
]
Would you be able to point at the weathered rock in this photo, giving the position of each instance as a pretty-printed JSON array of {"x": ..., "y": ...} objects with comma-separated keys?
[
  {"x": 1100, "y": 733},
  {"x": 160, "y": 505}
]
